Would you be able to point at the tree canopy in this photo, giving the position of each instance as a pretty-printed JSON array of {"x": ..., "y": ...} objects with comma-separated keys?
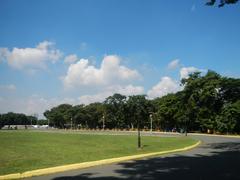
[
  {"x": 221, "y": 3},
  {"x": 207, "y": 103}
]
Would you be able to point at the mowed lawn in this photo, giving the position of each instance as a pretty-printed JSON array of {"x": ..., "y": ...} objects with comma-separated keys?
[{"x": 26, "y": 150}]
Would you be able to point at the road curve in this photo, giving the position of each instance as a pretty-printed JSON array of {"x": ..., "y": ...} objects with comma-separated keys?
[{"x": 216, "y": 158}]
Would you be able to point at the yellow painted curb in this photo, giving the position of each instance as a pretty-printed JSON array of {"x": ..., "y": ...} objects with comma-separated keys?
[{"x": 63, "y": 168}]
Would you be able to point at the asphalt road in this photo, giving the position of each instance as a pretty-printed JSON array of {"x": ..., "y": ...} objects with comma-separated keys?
[{"x": 216, "y": 158}]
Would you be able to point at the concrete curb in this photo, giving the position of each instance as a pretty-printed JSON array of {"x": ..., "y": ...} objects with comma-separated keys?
[{"x": 63, "y": 168}]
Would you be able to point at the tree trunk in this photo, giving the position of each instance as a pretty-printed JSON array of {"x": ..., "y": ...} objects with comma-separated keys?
[{"x": 132, "y": 127}]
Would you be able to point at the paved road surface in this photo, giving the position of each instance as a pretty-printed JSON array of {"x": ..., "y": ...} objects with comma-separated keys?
[{"x": 216, "y": 158}]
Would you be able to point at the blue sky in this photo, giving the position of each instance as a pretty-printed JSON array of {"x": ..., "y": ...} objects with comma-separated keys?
[{"x": 77, "y": 51}]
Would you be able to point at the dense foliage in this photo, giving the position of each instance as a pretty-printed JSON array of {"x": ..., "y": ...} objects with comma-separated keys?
[
  {"x": 16, "y": 119},
  {"x": 207, "y": 103},
  {"x": 221, "y": 3}
]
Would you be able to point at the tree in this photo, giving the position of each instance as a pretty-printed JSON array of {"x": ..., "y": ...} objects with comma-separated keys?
[
  {"x": 32, "y": 119},
  {"x": 166, "y": 111},
  {"x": 1, "y": 121},
  {"x": 202, "y": 100},
  {"x": 78, "y": 115},
  {"x": 210, "y": 102},
  {"x": 94, "y": 113},
  {"x": 59, "y": 116},
  {"x": 230, "y": 89},
  {"x": 11, "y": 118},
  {"x": 207, "y": 102},
  {"x": 138, "y": 106},
  {"x": 190, "y": 98},
  {"x": 221, "y": 2},
  {"x": 115, "y": 110},
  {"x": 228, "y": 120},
  {"x": 42, "y": 122}
]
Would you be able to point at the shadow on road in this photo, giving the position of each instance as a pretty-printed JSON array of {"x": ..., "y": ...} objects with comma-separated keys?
[{"x": 222, "y": 164}]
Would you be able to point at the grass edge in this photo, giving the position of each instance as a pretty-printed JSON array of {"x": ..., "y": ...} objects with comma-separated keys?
[{"x": 58, "y": 169}]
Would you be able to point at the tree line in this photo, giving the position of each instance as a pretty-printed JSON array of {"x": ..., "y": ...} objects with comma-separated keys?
[
  {"x": 116, "y": 112},
  {"x": 16, "y": 119},
  {"x": 12, "y": 118},
  {"x": 206, "y": 103}
]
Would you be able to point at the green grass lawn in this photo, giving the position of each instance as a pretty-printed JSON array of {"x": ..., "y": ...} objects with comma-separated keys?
[{"x": 26, "y": 150}]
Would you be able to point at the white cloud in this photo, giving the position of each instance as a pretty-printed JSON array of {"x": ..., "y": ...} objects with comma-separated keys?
[
  {"x": 31, "y": 58},
  {"x": 82, "y": 73},
  {"x": 8, "y": 87},
  {"x": 129, "y": 90},
  {"x": 109, "y": 91},
  {"x": 32, "y": 105},
  {"x": 185, "y": 71},
  {"x": 174, "y": 64},
  {"x": 4, "y": 52},
  {"x": 70, "y": 59},
  {"x": 87, "y": 99},
  {"x": 165, "y": 85},
  {"x": 36, "y": 104}
]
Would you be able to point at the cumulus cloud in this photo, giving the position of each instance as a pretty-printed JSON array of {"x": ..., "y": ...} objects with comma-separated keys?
[
  {"x": 32, "y": 105},
  {"x": 70, "y": 59},
  {"x": 128, "y": 90},
  {"x": 4, "y": 52},
  {"x": 8, "y": 87},
  {"x": 82, "y": 73},
  {"x": 36, "y": 104},
  {"x": 109, "y": 91},
  {"x": 31, "y": 58},
  {"x": 185, "y": 71},
  {"x": 165, "y": 86},
  {"x": 174, "y": 64}
]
